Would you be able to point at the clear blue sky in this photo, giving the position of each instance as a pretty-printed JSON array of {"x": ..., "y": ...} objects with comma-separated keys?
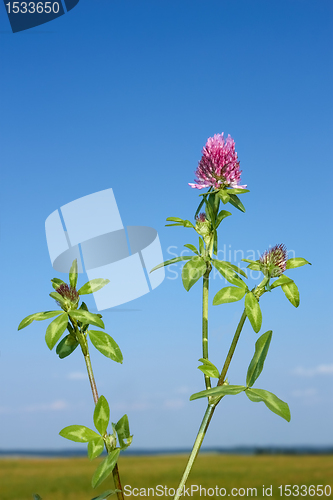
[{"x": 124, "y": 95}]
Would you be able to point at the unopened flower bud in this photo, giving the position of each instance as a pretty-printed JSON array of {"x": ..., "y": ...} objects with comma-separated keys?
[
  {"x": 69, "y": 294},
  {"x": 273, "y": 262},
  {"x": 203, "y": 226}
]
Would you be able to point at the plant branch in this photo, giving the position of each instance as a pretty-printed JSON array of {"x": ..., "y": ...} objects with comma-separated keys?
[{"x": 205, "y": 292}]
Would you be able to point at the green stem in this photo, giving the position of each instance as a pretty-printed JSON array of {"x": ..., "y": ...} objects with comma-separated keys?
[
  {"x": 232, "y": 349},
  {"x": 205, "y": 291},
  {"x": 84, "y": 346},
  {"x": 196, "y": 447}
]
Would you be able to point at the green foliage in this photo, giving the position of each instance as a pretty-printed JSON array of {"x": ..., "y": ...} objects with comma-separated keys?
[
  {"x": 179, "y": 222},
  {"x": 257, "y": 363},
  {"x": 66, "y": 346},
  {"x": 59, "y": 298},
  {"x": 253, "y": 311},
  {"x": 101, "y": 415},
  {"x": 228, "y": 273},
  {"x": 123, "y": 432},
  {"x": 237, "y": 191},
  {"x": 281, "y": 281},
  {"x": 229, "y": 294},
  {"x": 95, "y": 447},
  {"x": 55, "y": 330},
  {"x": 222, "y": 215},
  {"x": 220, "y": 390},
  {"x": 224, "y": 196},
  {"x": 73, "y": 274},
  {"x": 78, "y": 433},
  {"x": 105, "y": 468},
  {"x": 235, "y": 201},
  {"x": 106, "y": 345},
  {"x": 192, "y": 272},
  {"x": 208, "y": 368},
  {"x": 192, "y": 247},
  {"x": 37, "y": 317},
  {"x": 171, "y": 261},
  {"x": 86, "y": 317},
  {"x": 291, "y": 292},
  {"x": 92, "y": 286},
  {"x": 56, "y": 282},
  {"x": 272, "y": 402},
  {"x": 296, "y": 262}
]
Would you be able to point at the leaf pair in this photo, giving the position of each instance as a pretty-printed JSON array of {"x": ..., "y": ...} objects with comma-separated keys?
[
  {"x": 179, "y": 222},
  {"x": 208, "y": 368},
  {"x": 193, "y": 271}
]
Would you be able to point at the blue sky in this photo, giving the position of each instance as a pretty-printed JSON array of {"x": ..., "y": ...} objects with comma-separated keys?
[{"x": 125, "y": 95}]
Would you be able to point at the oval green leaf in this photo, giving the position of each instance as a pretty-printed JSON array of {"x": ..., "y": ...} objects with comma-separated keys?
[
  {"x": 78, "y": 433},
  {"x": 92, "y": 286},
  {"x": 102, "y": 415},
  {"x": 95, "y": 447},
  {"x": 229, "y": 294},
  {"x": 291, "y": 292},
  {"x": 105, "y": 468},
  {"x": 38, "y": 317},
  {"x": 235, "y": 201},
  {"x": 123, "y": 432},
  {"x": 228, "y": 273},
  {"x": 66, "y": 346},
  {"x": 193, "y": 271},
  {"x": 253, "y": 311},
  {"x": 296, "y": 262},
  {"x": 220, "y": 390},
  {"x": 282, "y": 280},
  {"x": 86, "y": 317},
  {"x": 73, "y": 274},
  {"x": 257, "y": 363},
  {"x": 272, "y": 402},
  {"x": 192, "y": 248},
  {"x": 208, "y": 368},
  {"x": 224, "y": 196},
  {"x": 55, "y": 330},
  {"x": 106, "y": 345}
]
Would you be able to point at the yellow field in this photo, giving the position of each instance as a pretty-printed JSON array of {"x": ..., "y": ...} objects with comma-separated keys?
[{"x": 69, "y": 479}]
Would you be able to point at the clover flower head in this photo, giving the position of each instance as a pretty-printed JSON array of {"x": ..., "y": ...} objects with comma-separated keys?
[
  {"x": 219, "y": 165},
  {"x": 273, "y": 262},
  {"x": 201, "y": 217},
  {"x": 69, "y": 293}
]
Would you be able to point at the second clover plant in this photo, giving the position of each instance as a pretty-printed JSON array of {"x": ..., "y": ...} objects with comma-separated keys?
[
  {"x": 78, "y": 321},
  {"x": 219, "y": 172}
]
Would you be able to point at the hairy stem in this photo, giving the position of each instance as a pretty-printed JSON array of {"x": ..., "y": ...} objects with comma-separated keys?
[
  {"x": 196, "y": 447},
  {"x": 84, "y": 346},
  {"x": 205, "y": 291}
]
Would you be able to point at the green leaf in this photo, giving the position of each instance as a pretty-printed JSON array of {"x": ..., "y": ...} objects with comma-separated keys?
[
  {"x": 56, "y": 282},
  {"x": 175, "y": 219},
  {"x": 199, "y": 207},
  {"x": 192, "y": 272},
  {"x": 291, "y": 292},
  {"x": 253, "y": 311},
  {"x": 192, "y": 247},
  {"x": 171, "y": 261},
  {"x": 201, "y": 246},
  {"x": 123, "y": 432},
  {"x": 106, "y": 345},
  {"x": 250, "y": 261},
  {"x": 78, "y": 433},
  {"x": 282, "y": 280},
  {"x": 235, "y": 201},
  {"x": 222, "y": 215},
  {"x": 101, "y": 415},
  {"x": 187, "y": 223},
  {"x": 86, "y": 317},
  {"x": 229, "y": 294},
  {"x": 272, "y": 402},
  {"x": 224, "y": 196},
  {"x": 66, "y": 346},
  {"x": 237, "y": 191},
  {"x": 73, "y": 274},
  {"x": 59, "y": 298},
  {"x": 55, "y": 330},
  {"x": 105, "y": 468},
  {"x": 106, "y": 494},
  {"x": 254, "y": 267},
  {"x": 38, "y": 317},
  {"x": 228, "y": 273},
  {"x": 208, "y": 368},
  {"x": 296, "y": 262},
  {"x": 220, "y": 390},
  {"x": 257, "y": 363},
  {"x": 92, "y": 286},
  {"x": 95, "y": 447}
]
